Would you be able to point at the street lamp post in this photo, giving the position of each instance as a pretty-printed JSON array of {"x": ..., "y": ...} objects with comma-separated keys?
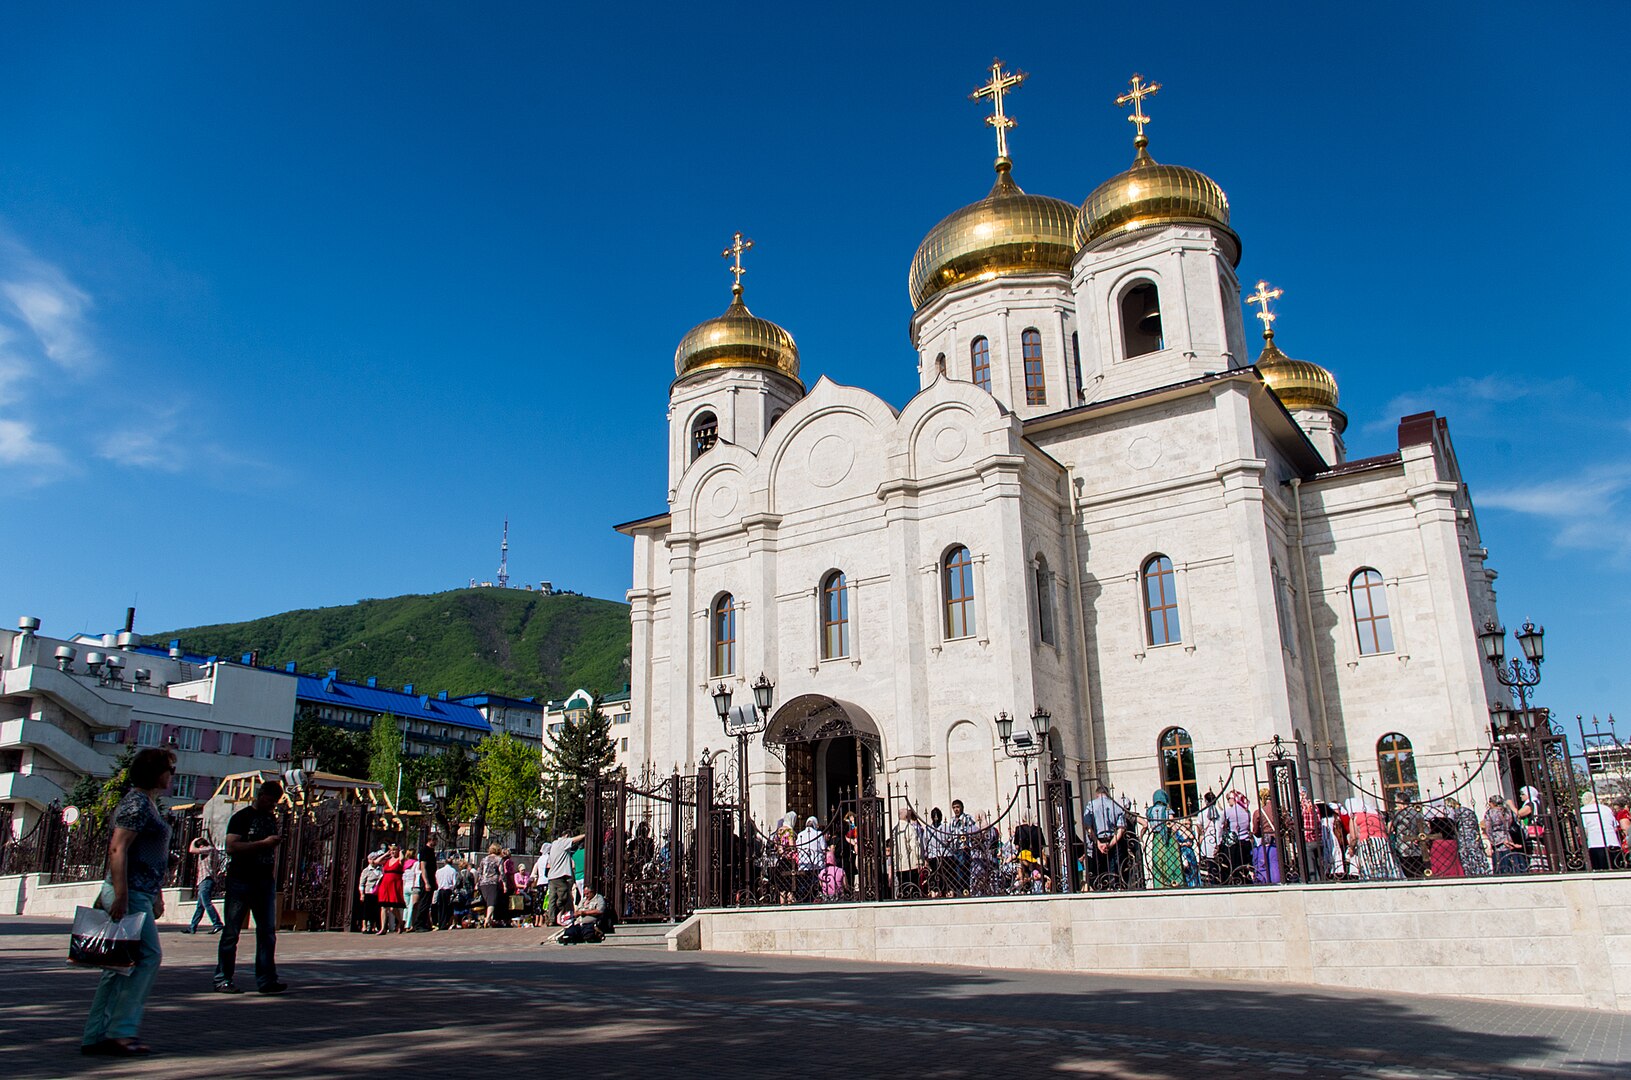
[
  {"x": 1529, "y": 731},
  {"x": 1024, "y": 745},
  {"x": 764, "y": 692}
]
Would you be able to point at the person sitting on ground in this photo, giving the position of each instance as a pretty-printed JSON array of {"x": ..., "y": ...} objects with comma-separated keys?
[{"x": 586, "y": 918}]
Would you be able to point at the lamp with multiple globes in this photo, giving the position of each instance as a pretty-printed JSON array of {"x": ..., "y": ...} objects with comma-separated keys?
[{"x": 764, "y": 695}]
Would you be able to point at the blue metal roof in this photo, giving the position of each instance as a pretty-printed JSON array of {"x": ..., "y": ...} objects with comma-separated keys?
[{"x": 421, "y": 707}]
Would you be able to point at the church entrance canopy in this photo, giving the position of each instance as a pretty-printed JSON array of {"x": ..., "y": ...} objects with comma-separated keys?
[{"x": 832, "y": 749}]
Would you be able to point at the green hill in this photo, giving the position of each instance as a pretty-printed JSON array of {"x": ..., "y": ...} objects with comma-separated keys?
[{"x": 506, "y": 641}]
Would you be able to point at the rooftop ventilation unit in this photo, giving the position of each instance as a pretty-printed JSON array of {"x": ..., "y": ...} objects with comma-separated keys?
[
  {"x": 93, "y": 662},
  {"x": 175, "y": 652},
  {"x": 109, "y": 641},
  {"x": 129, "y": 640},
  {"x": 28, "y": 624},
  {"x": 142, "y": 676},
  {"x": 65, "y": 656},
  {"x": 116, "y": 665}
]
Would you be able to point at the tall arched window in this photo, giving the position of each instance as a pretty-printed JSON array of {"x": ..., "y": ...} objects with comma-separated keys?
[
  {"x": 704, "y": 434},
  {"x": 957, "y": 570},
  {"x": 1177, "y": 754},
  {"x": 1397, "y": 763},
  {"x": 834, "y": 616},
  {"x": 940, "y": 364},
  {"x": 1141, "y": 320},
  {"x": 980, "y": 352},
  {"x": 1036, "y": 385},
  {"x": 1369, "y": 597},
  {"x": 1160, "y": 601},
  {"x": 1076, "y": 364},
  {"x": 723, "y": 632},
  {"x": 1044, "y": 602}
]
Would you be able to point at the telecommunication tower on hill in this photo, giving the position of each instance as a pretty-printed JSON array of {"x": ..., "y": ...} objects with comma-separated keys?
[{"x": 504, "y": 557}]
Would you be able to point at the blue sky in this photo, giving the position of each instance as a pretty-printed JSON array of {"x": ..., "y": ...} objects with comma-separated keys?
[{"x": 298, "y": 302}]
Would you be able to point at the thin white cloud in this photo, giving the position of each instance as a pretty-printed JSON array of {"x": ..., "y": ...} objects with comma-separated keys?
[
  {"x": 1470, "y": 398},
  {"x": 22, "y": 450},
  {"x": 1589, "y": 511}
]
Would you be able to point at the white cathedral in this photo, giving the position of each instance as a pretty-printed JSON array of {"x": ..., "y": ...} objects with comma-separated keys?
[{"x": 1097, "y": 506}]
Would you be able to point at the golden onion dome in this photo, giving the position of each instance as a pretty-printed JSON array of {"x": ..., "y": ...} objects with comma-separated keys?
[
  {"x": 737, "y": 339},
  {"x": 1150, "y": 194},
  {"x": 1299, "y": 384},
  {"x": 1007, "y": 232}
]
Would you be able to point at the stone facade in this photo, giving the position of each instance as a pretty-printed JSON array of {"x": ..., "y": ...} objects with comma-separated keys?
[{"x": 1062, "y": 493}]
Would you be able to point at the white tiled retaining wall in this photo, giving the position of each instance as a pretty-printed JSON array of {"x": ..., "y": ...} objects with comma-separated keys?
[
  {"x": 32, "y": 894},
  {"x": 1544, "y": 939}
]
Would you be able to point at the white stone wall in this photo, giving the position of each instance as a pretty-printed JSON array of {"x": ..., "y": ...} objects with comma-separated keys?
[
  {"x": 1537, "y": 940},
  {"x": 1001, "y": 310}
]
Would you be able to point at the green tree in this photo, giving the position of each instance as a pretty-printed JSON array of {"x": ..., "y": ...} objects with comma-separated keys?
[
  {"x": 345, "y": 753},
  {"x": 508, "y": 770},
  {"x": 452, "y": 765},
  {"x": 96, "y": 799},
  {"x": 385, "y": 752},
  {"x": 581, "y": 750}
]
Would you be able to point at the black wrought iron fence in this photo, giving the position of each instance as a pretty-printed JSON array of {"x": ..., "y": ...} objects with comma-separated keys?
[{"x": 1491, "y": 813}]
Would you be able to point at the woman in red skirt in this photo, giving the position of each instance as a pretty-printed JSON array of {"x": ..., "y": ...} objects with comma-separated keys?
[{"x": 390, "y": 891}]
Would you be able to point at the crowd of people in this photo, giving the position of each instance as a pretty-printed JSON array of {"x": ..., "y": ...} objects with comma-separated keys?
[{"x": 1228, "y": 840}]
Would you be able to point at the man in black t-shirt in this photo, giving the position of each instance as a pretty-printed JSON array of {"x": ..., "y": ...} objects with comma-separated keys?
[{"x": 253, "y": 836}]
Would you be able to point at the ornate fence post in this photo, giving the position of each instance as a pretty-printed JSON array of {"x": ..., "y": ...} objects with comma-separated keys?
[
  {"x": 1286, "y": 798},
  {"x": 706, "y": 880},
  {"x": 593, "y": 856},
  {"x": 1059, "y": 808}
]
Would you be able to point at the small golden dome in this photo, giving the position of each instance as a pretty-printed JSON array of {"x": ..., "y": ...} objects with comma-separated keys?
[
  {"x": 737, "y": 339},
  {"x": 1299, "y": 384},
  {"x": 1007, "y": 232},
  {"x": 1151, "y": 194}
]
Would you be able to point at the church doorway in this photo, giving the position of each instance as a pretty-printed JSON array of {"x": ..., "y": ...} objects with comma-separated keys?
[{"x": 832, "y": 752}]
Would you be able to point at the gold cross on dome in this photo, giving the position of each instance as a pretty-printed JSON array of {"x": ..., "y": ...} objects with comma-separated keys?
[
  {"x": 1140, "y": 90},
  {"x": 1262, "y": 297},
  {"x": 1001, "y": 83},
  {"x": 734, "y": 253}
]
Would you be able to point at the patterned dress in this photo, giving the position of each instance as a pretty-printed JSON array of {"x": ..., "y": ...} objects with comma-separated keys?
[{"x": 1470, "y": 842}]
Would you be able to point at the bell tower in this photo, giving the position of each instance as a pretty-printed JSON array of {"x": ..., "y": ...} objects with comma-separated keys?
[
  {"x": 1154, "y": 277},
  {"x": 735, "y": 375}
]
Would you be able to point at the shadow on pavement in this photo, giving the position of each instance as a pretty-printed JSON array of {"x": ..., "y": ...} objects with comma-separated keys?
[{"x": 560, "y": 1011}]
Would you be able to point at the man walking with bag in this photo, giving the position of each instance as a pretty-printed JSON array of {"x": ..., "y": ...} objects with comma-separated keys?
[{"x": 252, "y": 844}]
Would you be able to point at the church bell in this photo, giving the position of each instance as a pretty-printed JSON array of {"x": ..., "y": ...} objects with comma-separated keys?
[{"x": 1149, "y": 318}]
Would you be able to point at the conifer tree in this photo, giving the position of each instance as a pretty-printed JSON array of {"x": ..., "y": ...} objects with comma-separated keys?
[{"x": 581, "y": 750}]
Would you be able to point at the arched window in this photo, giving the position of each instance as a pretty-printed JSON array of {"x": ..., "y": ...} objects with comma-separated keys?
[
  {"x": 1160, "y": 601},
  {"x": 958, "y": 572},
  {"x": 704, "y": 434},
  {"x": 834, "y": 616},
  {"x": 940, "y": 364},
  {"x": 1036, "y": 385},
  {"x": 1369, "y": 597},
  {"x": 1177, "y": 754},
  {"x": 1397, "y": 763},
  {"x": 722, "y": 627},
  {"x": 980, "y": 351},
  {"x": 777, "y": 415},
  {"x": 1044, "y": 602},
  {"x": 1076, "y": 362},
  {"x": 1141, "y": 320}
]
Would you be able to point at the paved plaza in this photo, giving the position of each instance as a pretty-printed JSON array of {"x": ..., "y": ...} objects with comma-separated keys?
[{"x": 471, "y": 1003}]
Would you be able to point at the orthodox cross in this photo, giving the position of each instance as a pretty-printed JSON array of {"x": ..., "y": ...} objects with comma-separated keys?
[
  {"x": 734, "y": 253},
  {"x": 1001, "y": 83},
  {"x": 1262, "y": 297},
  {"x": 1140, "y": 90}
]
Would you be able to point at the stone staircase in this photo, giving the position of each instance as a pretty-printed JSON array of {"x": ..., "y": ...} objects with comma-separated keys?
[{"x": 639, "y": 935}]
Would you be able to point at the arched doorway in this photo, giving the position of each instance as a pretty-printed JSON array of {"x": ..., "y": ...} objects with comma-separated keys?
[{"x": 832, "y": 752}]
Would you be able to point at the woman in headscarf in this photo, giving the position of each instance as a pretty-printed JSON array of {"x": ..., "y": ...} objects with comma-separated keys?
[
  {"x": 1235, "y": 843},
  {"x": 787, "y": 855},
  {"x": 1505, "y": 836},
  {"x": 1166, "y": 865},
  {"x": 1469, "y": 843},
  {"x": 1368, "y": 848}
]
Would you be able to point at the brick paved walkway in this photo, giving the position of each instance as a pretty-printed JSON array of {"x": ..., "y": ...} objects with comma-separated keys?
[{"x": 472, "y": 1002}]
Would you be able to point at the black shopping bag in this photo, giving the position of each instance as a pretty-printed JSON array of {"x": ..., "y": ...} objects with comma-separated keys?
[{"x": 99, "y": 942}]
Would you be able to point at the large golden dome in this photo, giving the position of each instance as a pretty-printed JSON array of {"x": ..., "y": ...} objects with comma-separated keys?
[
  {"x": 1007, "y": 232},
  {"x": 1299, "y": 384},
  {"x": 1152, "y": 194},
  {"x": 737, "y": 339}
]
